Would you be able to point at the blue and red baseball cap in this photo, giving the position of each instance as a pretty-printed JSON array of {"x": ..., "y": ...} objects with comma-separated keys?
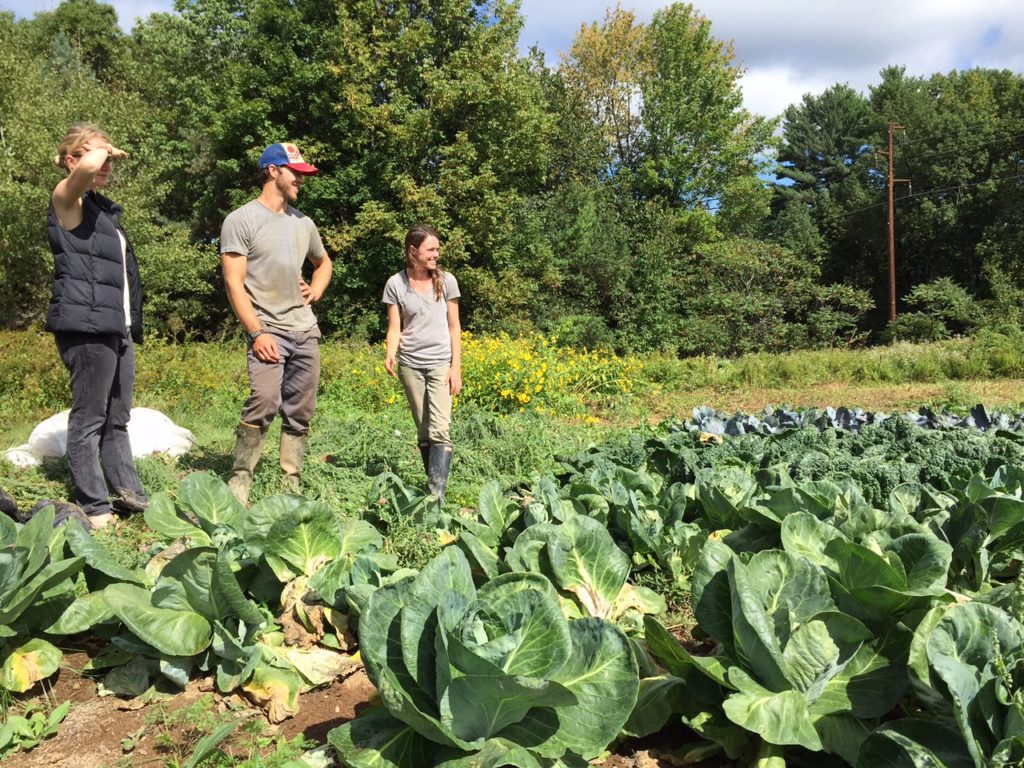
[{"x": 286, "y": 154}]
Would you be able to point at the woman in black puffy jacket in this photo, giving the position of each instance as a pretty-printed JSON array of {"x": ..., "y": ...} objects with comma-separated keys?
[{"x": 95, "y": 314}]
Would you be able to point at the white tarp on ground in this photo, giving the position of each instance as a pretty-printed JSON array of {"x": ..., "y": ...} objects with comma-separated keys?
[{"x": 149, "y": 431}]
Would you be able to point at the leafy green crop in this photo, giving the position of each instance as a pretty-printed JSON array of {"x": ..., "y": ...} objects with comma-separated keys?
[
  {"x": 968, "y": 667},
  {"x": 33, "y": 572},
  {"x": 793, "y": 670},
  {"x": 24, "y": 732},
  {"x": 466, "y": 674},
  {"x": 205, "y": 602}
]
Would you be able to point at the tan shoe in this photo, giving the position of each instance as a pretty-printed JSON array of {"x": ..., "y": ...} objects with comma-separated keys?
[
  {"x": 101, "y": 521},
  {"x": 293, "y": 448}
]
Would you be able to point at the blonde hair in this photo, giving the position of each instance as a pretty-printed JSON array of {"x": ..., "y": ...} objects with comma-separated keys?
[
  {"x": 78, "y": 136},
  {"x": 413, "y": 240}
]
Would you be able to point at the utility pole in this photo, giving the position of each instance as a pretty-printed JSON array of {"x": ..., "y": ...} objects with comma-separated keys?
[{"x": 892, "y": 223}]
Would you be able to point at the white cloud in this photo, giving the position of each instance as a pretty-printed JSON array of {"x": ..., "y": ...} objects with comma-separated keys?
[
  {"x": 787, "y": 47},
  {"x": 765, "y": 88}
]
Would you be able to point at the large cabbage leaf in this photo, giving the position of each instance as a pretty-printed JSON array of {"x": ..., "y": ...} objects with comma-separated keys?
[
  {"x": 469, "y": 669},
  {"x": 172, "y": 631}
]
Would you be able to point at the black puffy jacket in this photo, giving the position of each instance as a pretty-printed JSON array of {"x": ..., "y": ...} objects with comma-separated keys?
[{"x": 88, "y": 277}]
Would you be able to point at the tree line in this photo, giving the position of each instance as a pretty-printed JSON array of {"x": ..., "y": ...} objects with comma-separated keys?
[{"x": 619, "y": 196}]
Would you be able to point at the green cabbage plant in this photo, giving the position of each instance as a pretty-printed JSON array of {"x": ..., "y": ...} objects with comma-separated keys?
[
  {"x": 877, "y": 575},
  {"x": 33, "y": 572},
  {"x": 259, "y": 598},
  {"x": 967, "y": 664},
  {"x": 488, "y": 676},
  {"x": 791, "y": 669},
  {"x": 582, "y": 560}
]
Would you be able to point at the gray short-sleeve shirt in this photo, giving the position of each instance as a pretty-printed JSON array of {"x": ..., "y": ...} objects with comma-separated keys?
[
  {"x": 426, "y": 341},
  {"x": 275, "y": 246}
]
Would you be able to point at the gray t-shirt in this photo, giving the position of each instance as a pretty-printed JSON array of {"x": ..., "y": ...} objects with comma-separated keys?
[
  {"x": 275, "y": 246},
  {"x": 426, "y": 341}
]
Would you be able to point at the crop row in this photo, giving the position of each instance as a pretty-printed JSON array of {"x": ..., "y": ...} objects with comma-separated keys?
[{"x": 855, "y": 593}]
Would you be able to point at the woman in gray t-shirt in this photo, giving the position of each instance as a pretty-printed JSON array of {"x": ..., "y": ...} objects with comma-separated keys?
[{"x": 425, "y": 339}]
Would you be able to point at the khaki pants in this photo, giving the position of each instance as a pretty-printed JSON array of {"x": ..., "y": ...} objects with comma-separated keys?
[
  {"x": 430, "y": 400},
  {"x": 287, "y": 387}
]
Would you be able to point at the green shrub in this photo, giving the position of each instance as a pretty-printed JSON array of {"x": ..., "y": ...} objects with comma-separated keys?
[
  {"x": 948, "y": 303},
  {"x": 836, "y": 316},
  {"x": 33, "y": 382},
  {"x": 998, "y": 354},
  {"x": 915, "y": 327},
  {"x": 535, "y": 373},
  {"x": 583, "y": 332},
  {"x": 184, "y": 290}
]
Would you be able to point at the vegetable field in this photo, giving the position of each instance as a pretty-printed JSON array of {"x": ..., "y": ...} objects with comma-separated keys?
[{"x": 796, "y": 588}]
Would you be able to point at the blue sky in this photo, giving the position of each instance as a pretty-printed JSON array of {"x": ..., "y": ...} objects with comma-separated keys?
[{"x": 787, "y": 47}]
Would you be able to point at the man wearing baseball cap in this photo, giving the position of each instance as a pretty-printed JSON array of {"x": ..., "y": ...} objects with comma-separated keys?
[{"x": 264, "y": 245}]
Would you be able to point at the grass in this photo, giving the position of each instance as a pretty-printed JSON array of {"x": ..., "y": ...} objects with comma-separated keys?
[
  {"x": 179, "y": 732},
  {"x": 958, "y": 396},
  {"x": 988, "y": 356},
  {"x": 363, "y": 427}
]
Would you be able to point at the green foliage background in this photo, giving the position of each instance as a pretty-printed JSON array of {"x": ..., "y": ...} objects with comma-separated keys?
[{"x": 620, "y": 197}]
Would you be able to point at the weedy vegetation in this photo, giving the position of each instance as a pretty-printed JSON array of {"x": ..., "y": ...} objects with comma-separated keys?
[{"x": 788, "y": 584}]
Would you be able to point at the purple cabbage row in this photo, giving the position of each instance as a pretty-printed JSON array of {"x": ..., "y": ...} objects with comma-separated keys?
[{"x": 775, "y": 420}]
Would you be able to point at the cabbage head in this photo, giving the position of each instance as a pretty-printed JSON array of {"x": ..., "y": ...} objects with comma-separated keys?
[{"x": 495, "y": 675}]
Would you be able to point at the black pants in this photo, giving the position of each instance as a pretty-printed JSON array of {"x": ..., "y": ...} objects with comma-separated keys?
[{"x": 102, "y": 368}]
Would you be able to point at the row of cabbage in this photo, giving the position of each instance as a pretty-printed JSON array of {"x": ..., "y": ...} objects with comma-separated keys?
[
  {"x": 866, "y": 627},
  {"x": 773, "y": 420},
  {"x": 258, "y": 598},
  {"x": 842, "y": 631}
]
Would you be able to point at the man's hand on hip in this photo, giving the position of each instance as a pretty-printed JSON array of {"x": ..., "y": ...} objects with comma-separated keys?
[
  {"x": 265, "y": 349},
  {"x": 309, "y": 295}
]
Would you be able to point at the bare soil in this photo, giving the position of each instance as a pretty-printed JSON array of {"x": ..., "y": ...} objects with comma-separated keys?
[
  {"x": 1000, "y": 394},
  {"x": 92, "y": 734}
]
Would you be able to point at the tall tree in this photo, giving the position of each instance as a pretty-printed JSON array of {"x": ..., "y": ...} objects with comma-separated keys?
[
  {"x": 86, "y": 27},
  {"x": 959, "y": 154},
  {"x": 822, "y": 140},
  {"x": 699, "y": 138},
  {"x": 682, "y": 164},
  {"x": 42, "y": 96},
  {"x": 828, "y": 204},
  {"x": 606, "y": 65},
  {"x": 961, "y": 144},
  {"x": 412, "y": 110},
  {"x": 667, "y": 98}
]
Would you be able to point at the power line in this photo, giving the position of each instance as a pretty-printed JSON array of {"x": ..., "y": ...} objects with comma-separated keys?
[
  {"x": 960, "y": 186},
  {"x": 913, "y": 195},
  {"x": 969, "y": 146},
  {"x": 936, "y": 137},
  {"x": 865, "y": 170}
]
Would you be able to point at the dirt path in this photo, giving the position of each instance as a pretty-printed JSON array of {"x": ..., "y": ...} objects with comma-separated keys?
[
  {"x": 958, "y": 396},
  {"x": 92, "y": 734}
]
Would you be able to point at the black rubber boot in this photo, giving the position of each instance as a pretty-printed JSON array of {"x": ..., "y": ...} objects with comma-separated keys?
[
  {"x": 64, "y": 511},
  {"x": 9, "y": 506},
  {"x": 425, "y": 455},
  {"x": 440, "y": 466},
  {"x": 129, "y": 502}
]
